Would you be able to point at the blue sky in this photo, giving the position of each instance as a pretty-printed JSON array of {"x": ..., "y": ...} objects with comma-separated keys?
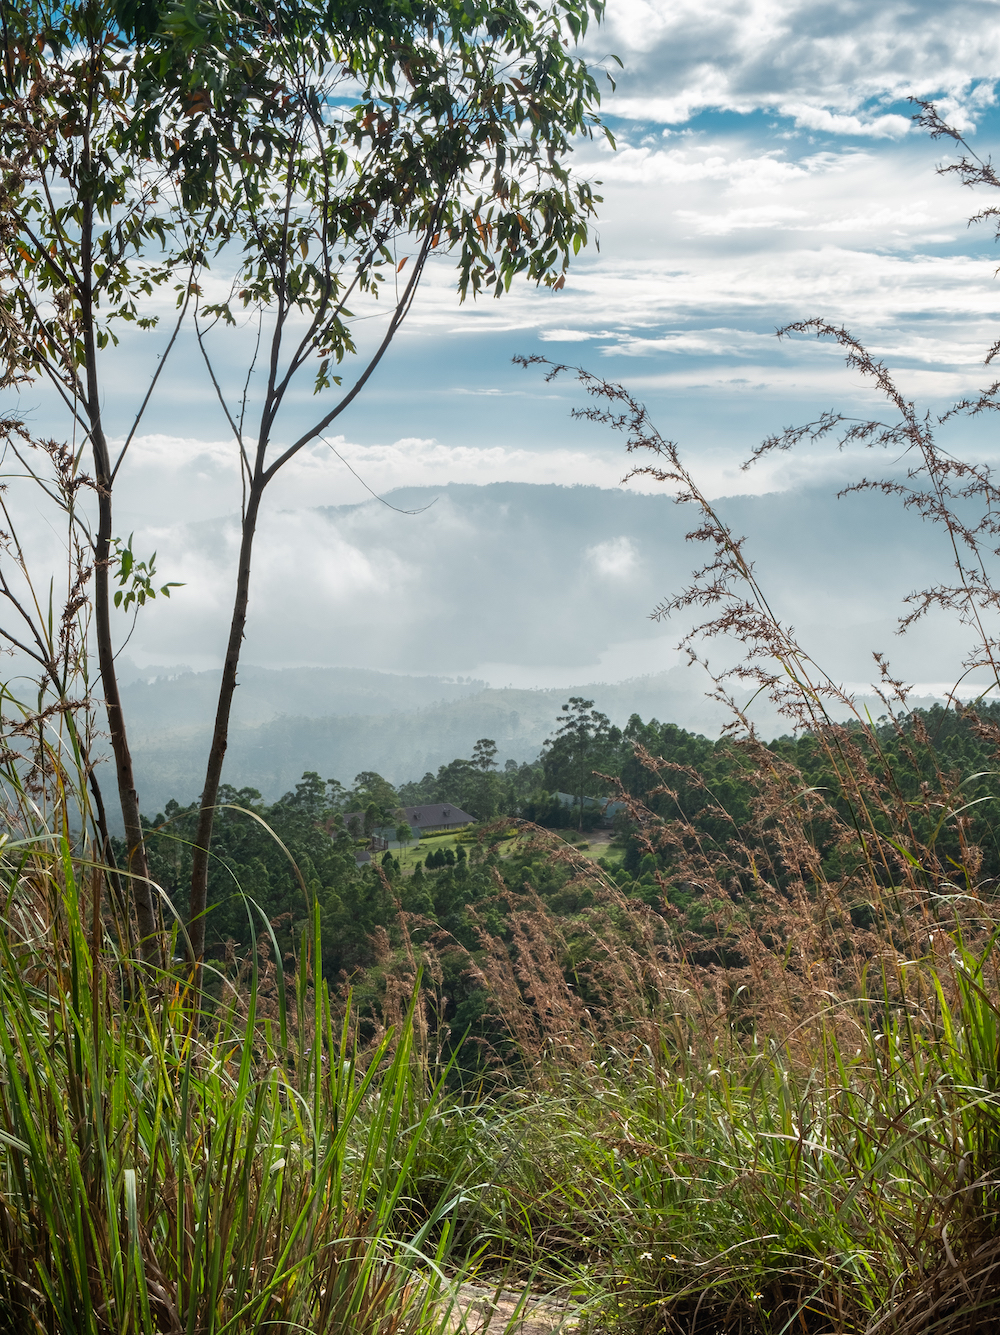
[{"x": 767, "y": 170}]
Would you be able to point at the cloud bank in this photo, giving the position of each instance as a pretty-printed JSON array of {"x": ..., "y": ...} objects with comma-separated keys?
[
  {"x": 528, "y": 585},
  {"x": 819, "y": 65}
]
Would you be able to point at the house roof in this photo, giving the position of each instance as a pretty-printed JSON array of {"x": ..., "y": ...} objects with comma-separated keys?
[
  {"x": 430, "y": 817},
  {"x": 435, "y": 814},
  {"x": 569, "y": 800}
]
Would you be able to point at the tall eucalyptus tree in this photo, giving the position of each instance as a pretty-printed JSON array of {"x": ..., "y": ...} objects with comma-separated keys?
[{"x": 318, "y": 155}]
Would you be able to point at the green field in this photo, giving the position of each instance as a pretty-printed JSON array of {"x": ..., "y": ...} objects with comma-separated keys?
[{"x": 409, "y": 856}]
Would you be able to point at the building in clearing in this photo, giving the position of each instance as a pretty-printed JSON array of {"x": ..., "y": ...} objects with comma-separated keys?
[{"x": 435, "y": 818}]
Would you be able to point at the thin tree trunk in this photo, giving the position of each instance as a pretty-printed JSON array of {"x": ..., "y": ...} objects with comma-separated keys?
[
  {"x": 111, "y": 875},
  {"x": 150, "y": 946},
  {"x": 135, "y": 862},
  {"x": 220, "y": 734},
  {"x": 227, "y": 689}
]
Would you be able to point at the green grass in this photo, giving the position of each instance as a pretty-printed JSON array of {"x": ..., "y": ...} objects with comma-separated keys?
[
  {"x": 211, "y": 1172},
  {"x": 427, "y": 843},
  {"x": 408, "y": 857},
  {"x": 766, "y": 1187},
  {"x": 242, "y": 1162},
  {"x": 612, "y": 853}
]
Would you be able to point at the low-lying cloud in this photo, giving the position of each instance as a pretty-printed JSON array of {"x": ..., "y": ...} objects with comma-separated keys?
[{"x": 514, "y": 583}]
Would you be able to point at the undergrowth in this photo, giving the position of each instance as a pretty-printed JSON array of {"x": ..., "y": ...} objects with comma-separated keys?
[{"x": 680, "y": 1169}]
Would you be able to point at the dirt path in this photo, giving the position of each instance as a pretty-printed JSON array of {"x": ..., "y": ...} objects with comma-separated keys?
[{"x": 480, "y": 1310}]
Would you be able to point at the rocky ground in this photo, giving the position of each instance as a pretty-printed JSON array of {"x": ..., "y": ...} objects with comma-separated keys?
[{"x": 480, "y": 1310}]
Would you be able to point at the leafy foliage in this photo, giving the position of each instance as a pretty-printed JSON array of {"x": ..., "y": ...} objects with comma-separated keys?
[{"x": 135, "y": 578}]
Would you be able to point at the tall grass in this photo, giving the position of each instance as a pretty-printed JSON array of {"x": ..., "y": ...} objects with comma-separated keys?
[
  {"x": 170, "y": 1167},
  {"x": 776, "y": 1109},
  {"x": 677, "y": 1167}
]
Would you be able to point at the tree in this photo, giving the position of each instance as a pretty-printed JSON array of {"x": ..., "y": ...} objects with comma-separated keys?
[
  {"x": 484, "y": 754},
  {"x": 419, "y": 792},
  {"x": 373, "y": 817},
  {"x": 456, "y": 144},
  {"x": 90, "y": 226},
  {"x": 487, "y": 790},
  {"x": 146, "y": 143},
  {"x": 583, "y": 736},
  {"x": 475, "y": 785},
  {"x": 520, "y": 781},
  {"x": 371, "y": 790},
  {"x": 309, "y": 797},
  {"x": 454, "y": 782},
  {"x": 110, "y": 189}
]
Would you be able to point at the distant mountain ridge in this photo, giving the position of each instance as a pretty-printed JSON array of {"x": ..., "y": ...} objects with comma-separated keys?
[
  {"x": 167, "y": 698},
  {"x": 425, "y": 722},
  {"x": 401, "y": 743}
]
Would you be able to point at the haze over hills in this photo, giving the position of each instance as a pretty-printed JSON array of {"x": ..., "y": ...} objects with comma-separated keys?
[
  {"x": 540, "y": 585},
  {"x": 494, "y": 606},
  {"x": 401, "y": 743},
  {"x": 175, "y": 698}
]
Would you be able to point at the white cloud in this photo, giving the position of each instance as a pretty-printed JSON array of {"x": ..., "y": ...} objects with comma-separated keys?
[
  {"x": 707, "y": 342},
  {"x": 156, "y": 488},
  {"x": 570, "y": 335},
  {"x": 962, "y": 112},
  {"x": 770, "y": 216},
  {"x": 739, "y": 233},
  {"x": 818, "y": 118},
  {"x": 830, "y": 68},
  {"x": 615, "y": 558}
]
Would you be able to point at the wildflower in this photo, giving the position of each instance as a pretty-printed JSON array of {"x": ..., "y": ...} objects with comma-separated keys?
[{"x": 646, "y": 1256}]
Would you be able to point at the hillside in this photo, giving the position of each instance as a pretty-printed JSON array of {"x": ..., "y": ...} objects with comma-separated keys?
[{"x": 400, "y": 743}]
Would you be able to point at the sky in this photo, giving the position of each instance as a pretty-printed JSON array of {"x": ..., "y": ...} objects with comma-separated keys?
[{"x": 767, "y": 170}]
